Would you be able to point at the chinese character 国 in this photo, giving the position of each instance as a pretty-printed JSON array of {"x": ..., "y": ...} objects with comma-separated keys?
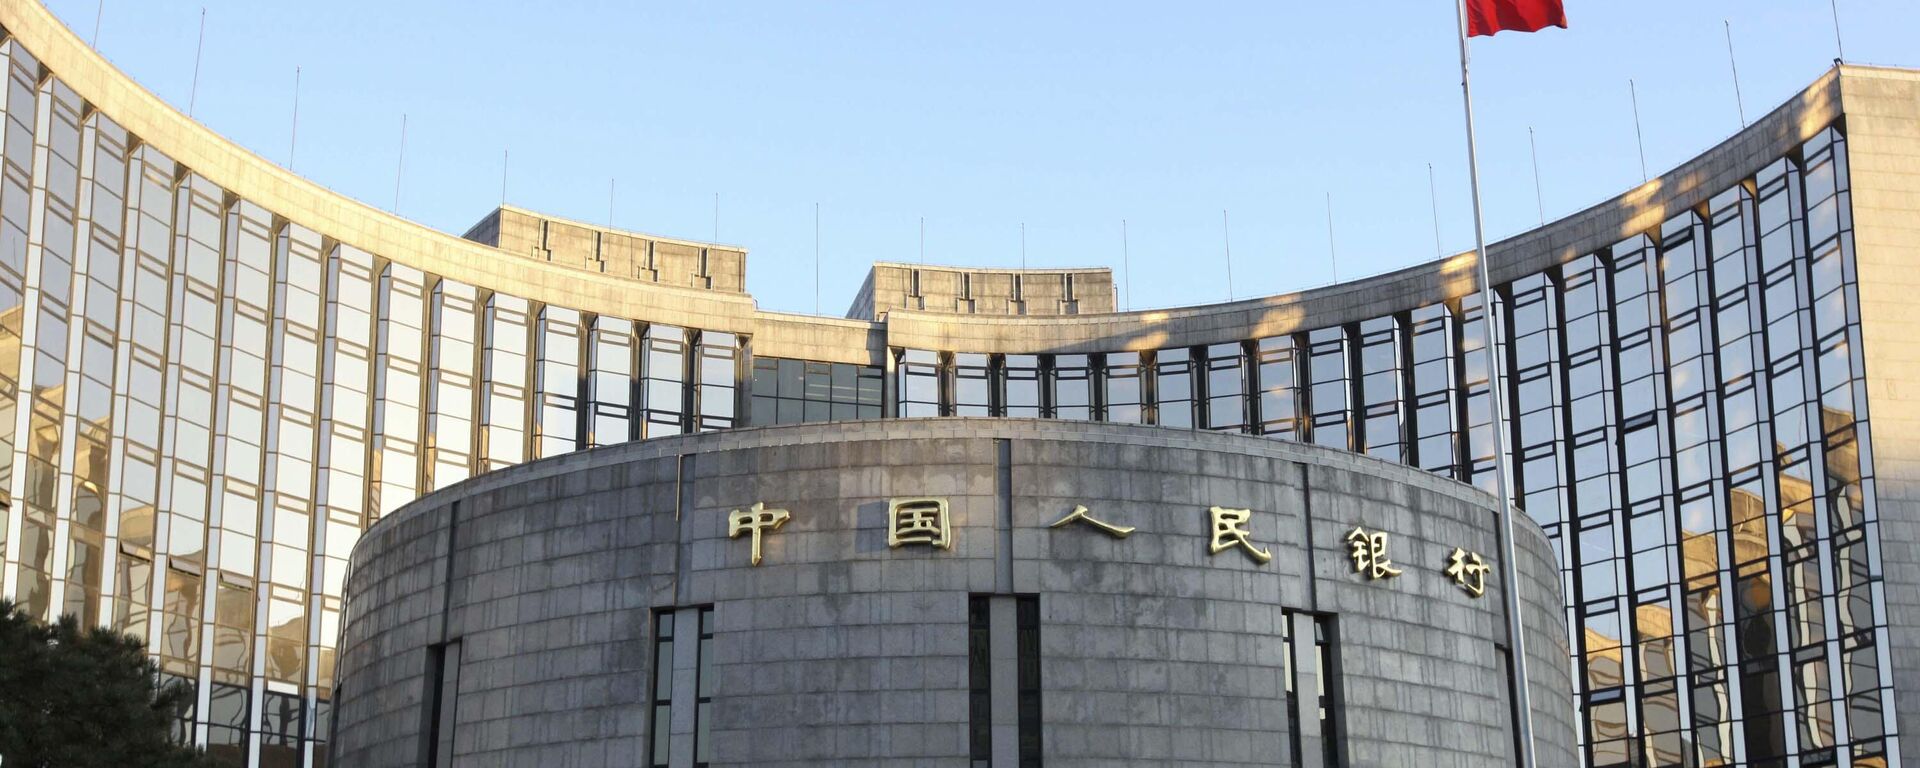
[{"x": 918, "y": 521}]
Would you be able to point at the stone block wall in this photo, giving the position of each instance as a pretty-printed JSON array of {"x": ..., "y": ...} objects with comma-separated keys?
[{"x": 838, "y": 650}]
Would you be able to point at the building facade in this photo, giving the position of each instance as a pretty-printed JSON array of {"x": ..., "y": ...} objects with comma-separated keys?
[
  {"x": 643, "y": 257},
  {"x": 975, "y": 291},
  {"x": 1081, "y": 594},
  {"x": 214, "y": 375}
]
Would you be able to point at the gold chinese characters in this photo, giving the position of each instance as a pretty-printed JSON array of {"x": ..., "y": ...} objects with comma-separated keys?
[
  {"x": 1080, "y": 514},
  {"x": 918, "y": 521},
  {"x": 1369, "y": 552},
  {"x": 927, "y": 521},
  {"x": 1469, "y": 571},
  {"x": 756, "y": 520},
  {"x": 1230, "y": 530}
]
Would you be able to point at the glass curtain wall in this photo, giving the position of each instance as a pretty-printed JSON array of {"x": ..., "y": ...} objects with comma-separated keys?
[
  {"x": 205, "y": 404},
  {"x": 788, "y": 391},
  {"x": 453, "y": 384},
  {"x": 1688, "y": 427}
]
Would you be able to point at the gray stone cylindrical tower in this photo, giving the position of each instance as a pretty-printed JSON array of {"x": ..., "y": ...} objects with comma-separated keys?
[{"x": 1202, "y": 600}]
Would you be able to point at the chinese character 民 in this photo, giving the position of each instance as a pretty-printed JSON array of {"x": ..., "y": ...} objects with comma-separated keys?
[
  {"x": 1370, "y": 553},
  {"x": 756, "y": 520},
  {"x": 1469, "y": 571},
  {"x": 918, "y": 521},
  {"x": 1230, "y": 530},
  {"x": 1080, "y": 514}
]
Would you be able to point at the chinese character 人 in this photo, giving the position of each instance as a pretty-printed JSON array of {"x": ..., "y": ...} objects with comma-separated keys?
[
  {"x": 1230, "y": 530},
  {"x": 1080, "y": 514},
  {"x": 756, "y": 520},
  {"x": 1469, "y": 571},
  {"x": 1370, "y": 553},
  {"x": 918, "y": 521}
]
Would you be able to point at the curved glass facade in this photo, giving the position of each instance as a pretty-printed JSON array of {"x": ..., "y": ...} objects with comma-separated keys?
[
  {"x": 1688, "y": 428},
  {"x": 203, "y": 402}
]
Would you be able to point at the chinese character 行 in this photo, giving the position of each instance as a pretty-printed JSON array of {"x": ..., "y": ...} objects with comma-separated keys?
[
  {"x": 756, "y": 520},
  {"x": 1230, "y": 530},
  {"x": 918, "y": 521},
  {"x": 1469, "y": 571},
  {"x": 1080, "y": 513},
  {"x": 1370, "y": 553}
]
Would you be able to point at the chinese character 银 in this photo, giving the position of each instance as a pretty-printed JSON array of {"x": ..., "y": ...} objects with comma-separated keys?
[{"x": 1370, "y": 553}]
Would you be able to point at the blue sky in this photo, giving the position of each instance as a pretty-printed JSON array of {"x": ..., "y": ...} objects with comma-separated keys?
[{"x": 980, "y": 116}]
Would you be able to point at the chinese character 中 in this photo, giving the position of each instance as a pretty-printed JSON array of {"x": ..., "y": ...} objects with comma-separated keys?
[
  {"x": 1469, "y": 570},
  {"x": 756, "y": 520},
  {"x": 1230, "y": 530},
  {"x": 1080, "y": 514},
  {"x": 1370, "y": 553},
  {"x": 918, "y": 521}
]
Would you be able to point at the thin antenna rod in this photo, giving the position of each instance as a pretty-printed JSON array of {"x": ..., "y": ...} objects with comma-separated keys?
[
  {"x": 503, "y": 178},
  {"x": 1023, "y": 246},
  {"x": 97, "y": 13},
  {"x": 1737, "y": 102},
  {"x": 1226, "y": 239},
  {"x": 1634, "y": 93},
  {"x": 293, "y": 142},
  {"x": 193, "y": 96},
  {"x": 816, "y": 258},
  {"x": 923, "y": 239},
  {"x": 1539, "y": 199},
  {"x": 1333, "y": 258},
  {"x": 1126, "y": 262},
  {"x": 1433, "y": 197},
  {"x": 1839, "y": 50},
  {"x": 400, "y": 166}
]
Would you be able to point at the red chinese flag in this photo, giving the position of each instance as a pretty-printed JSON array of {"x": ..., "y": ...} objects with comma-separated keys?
[{"x": 1486, "y": 17}]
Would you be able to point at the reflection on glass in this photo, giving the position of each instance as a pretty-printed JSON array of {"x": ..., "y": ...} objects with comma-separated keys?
[
  {"x": 557, "y": 381},
  {"x": 1279, "y": 388},
  {"x": 1121, "y": 389},
  {"x": 918, "y": 372},
  {"x": 399, "y": 388},
  {"x": 1071, "y": 380},
  {"x": 453, "y": 385},
  {"x": 503, "y": 416},
  {"x": 1020, "y": 391},
  {"x": 1173, "y": 388},
  {"x": 1383, "y": 430},
  {"x": 718, "y": 369},
  {"x": 1226, "y": 382},
  {"x": 972, "y": 384},
  {"x": 1328, "y": 393},
  {"x": 663, "y": 392},
  {"x": 610, "y": 365}
]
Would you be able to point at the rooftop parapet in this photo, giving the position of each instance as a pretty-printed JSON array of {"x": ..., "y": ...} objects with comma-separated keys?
[
  {"x": 983, "y": 291},
  {"x": 649, "y": 258}
]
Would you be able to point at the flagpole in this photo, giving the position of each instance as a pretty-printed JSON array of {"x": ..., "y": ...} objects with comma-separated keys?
[{"x": 1516, "y": 628}]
